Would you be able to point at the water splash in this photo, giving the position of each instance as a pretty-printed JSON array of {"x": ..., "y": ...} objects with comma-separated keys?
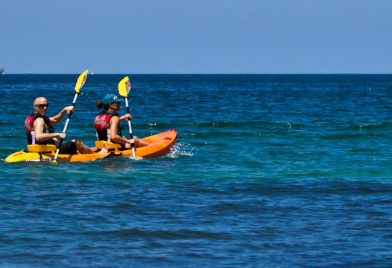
[{"x": 180, "y": 149}]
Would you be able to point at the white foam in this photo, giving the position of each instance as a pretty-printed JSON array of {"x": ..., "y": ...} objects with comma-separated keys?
[{"x": 180, "y": 149}]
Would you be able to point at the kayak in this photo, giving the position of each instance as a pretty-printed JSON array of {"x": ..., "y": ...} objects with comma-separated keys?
[
  {"x": 41, "y": 153},
  {"x": 159, "y": 144}
]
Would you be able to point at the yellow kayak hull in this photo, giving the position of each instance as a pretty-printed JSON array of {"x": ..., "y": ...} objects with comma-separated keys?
[{"x": 23, "y": 156}]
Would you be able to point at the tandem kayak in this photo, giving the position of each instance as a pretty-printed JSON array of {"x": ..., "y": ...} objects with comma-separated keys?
[{"x": 159, "y": 144}]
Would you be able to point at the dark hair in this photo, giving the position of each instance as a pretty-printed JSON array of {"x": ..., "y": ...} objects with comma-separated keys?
[{"x": 101, "y": 105}]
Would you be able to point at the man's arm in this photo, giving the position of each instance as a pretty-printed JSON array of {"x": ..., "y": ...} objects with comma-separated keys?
[
  {"x": 57, "y": 118},
  {"x": 41, "y": 136}
]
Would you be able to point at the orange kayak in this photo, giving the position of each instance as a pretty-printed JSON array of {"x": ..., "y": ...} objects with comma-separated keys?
[{"x": 160, "y": 144}]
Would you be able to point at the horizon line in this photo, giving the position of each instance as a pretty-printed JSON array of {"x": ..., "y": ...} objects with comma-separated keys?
[{"x": 122, "y": 73}]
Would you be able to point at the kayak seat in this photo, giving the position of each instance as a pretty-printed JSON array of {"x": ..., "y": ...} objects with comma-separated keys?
[
  {"x": 41, "y": 148},
  {"x": 109, "y": 145}
]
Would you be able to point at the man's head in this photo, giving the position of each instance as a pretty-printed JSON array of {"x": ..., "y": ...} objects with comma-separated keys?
[{"x": 40, "y": 105}]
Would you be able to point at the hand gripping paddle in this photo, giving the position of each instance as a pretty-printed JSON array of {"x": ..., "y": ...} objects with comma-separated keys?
[
  {"x": 79, "y": 84},
  {"x": 124, "y": 86}
]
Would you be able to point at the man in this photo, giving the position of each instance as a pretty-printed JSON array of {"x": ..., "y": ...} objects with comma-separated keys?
[{"x": 39, "y": 129}]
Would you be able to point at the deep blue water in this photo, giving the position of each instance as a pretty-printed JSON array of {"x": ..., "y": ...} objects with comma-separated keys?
[{"x": 268, "y": 171}]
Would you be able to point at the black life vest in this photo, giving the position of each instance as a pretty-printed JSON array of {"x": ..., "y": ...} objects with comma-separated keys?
[
  {"x": 102, "y": 125},
  {"x": 29, "y": 127}
]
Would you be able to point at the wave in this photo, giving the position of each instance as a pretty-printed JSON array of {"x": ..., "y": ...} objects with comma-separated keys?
[
  {"x": 365, "y": 126},
  {"x": 236, "y": 124}
]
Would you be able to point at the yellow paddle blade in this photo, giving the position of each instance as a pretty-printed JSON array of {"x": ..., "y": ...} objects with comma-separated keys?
[
  {"x": 81, "y": 80},
  {"x": 124, "y": 86}
]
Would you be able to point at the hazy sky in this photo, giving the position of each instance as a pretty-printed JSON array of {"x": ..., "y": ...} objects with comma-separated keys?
[{"x": 196, "y": 36}]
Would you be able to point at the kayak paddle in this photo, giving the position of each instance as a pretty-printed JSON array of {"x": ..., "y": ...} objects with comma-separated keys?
[
  {"x": 124, "y": 86},
  {"x": 79, "y": 84}
]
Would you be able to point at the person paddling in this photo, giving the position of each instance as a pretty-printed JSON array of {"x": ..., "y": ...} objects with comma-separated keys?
[
  {"x": 39, "y": 129},
  {"x": 107, "y": 122}
]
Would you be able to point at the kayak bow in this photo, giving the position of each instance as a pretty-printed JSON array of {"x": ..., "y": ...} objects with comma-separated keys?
[{"x": 159, "y": 144}]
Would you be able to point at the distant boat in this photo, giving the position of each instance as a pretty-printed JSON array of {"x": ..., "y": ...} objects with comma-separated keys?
[{"x": 2, "y": 70}]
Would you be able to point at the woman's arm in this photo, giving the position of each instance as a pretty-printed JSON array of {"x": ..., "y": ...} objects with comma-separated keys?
[
  {"x": 126, "y": 117},
  {"x": 114, "y": 136}
]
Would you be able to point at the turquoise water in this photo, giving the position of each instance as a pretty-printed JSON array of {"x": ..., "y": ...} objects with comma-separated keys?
[{"x": 268, "y": 170}]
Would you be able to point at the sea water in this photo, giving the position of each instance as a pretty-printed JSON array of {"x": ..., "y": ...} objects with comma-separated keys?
[{"x": 267, "y": 171}]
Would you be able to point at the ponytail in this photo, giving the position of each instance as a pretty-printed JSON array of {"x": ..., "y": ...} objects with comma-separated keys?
[{"x": 101, "y": 105}]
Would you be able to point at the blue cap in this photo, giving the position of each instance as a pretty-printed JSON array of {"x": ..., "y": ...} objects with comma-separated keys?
[{"x": 111, "y": 98}]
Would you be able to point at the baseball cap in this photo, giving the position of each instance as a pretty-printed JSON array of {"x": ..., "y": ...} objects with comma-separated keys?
[{"x": 111, "y": 98}]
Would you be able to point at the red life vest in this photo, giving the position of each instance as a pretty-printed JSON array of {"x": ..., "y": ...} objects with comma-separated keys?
[
  {"x": 29, "y": 127},
  {"x": 102, "y": 125}
]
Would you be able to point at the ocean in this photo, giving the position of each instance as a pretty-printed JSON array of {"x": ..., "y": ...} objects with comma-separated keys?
[{"x": 267, "y": 171}]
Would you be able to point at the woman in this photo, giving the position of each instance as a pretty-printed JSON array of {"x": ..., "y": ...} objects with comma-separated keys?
[{"x": 107, "y": 122}]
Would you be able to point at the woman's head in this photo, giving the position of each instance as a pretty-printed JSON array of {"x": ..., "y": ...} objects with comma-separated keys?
[
  {"x": 110, "y": 101},
  {"x": 111, "y": 98}
]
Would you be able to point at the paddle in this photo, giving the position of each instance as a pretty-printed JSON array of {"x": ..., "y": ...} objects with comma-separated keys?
[
  {"x": 124, "y": 86},
  {"x": 79, "y": 84}
]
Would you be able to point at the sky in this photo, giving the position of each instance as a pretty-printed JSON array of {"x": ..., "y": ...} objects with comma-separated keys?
[{"x": 196, "y": 36}]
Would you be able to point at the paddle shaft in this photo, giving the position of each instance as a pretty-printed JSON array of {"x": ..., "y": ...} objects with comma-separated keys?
[
  {"x": 65, "y": 126},
  {"x": 130, "y": 129}
]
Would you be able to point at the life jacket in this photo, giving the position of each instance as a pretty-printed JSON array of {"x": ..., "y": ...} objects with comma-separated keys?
[
  {"x": 102, "y": 125},
  {"x": 29, "y": 127}
]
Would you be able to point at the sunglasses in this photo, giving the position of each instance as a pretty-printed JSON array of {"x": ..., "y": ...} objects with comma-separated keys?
[{"x": 42, "y": 105}]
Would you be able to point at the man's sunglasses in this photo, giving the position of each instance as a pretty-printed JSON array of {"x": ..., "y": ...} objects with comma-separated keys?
[{"x": 42, "y": 105}]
